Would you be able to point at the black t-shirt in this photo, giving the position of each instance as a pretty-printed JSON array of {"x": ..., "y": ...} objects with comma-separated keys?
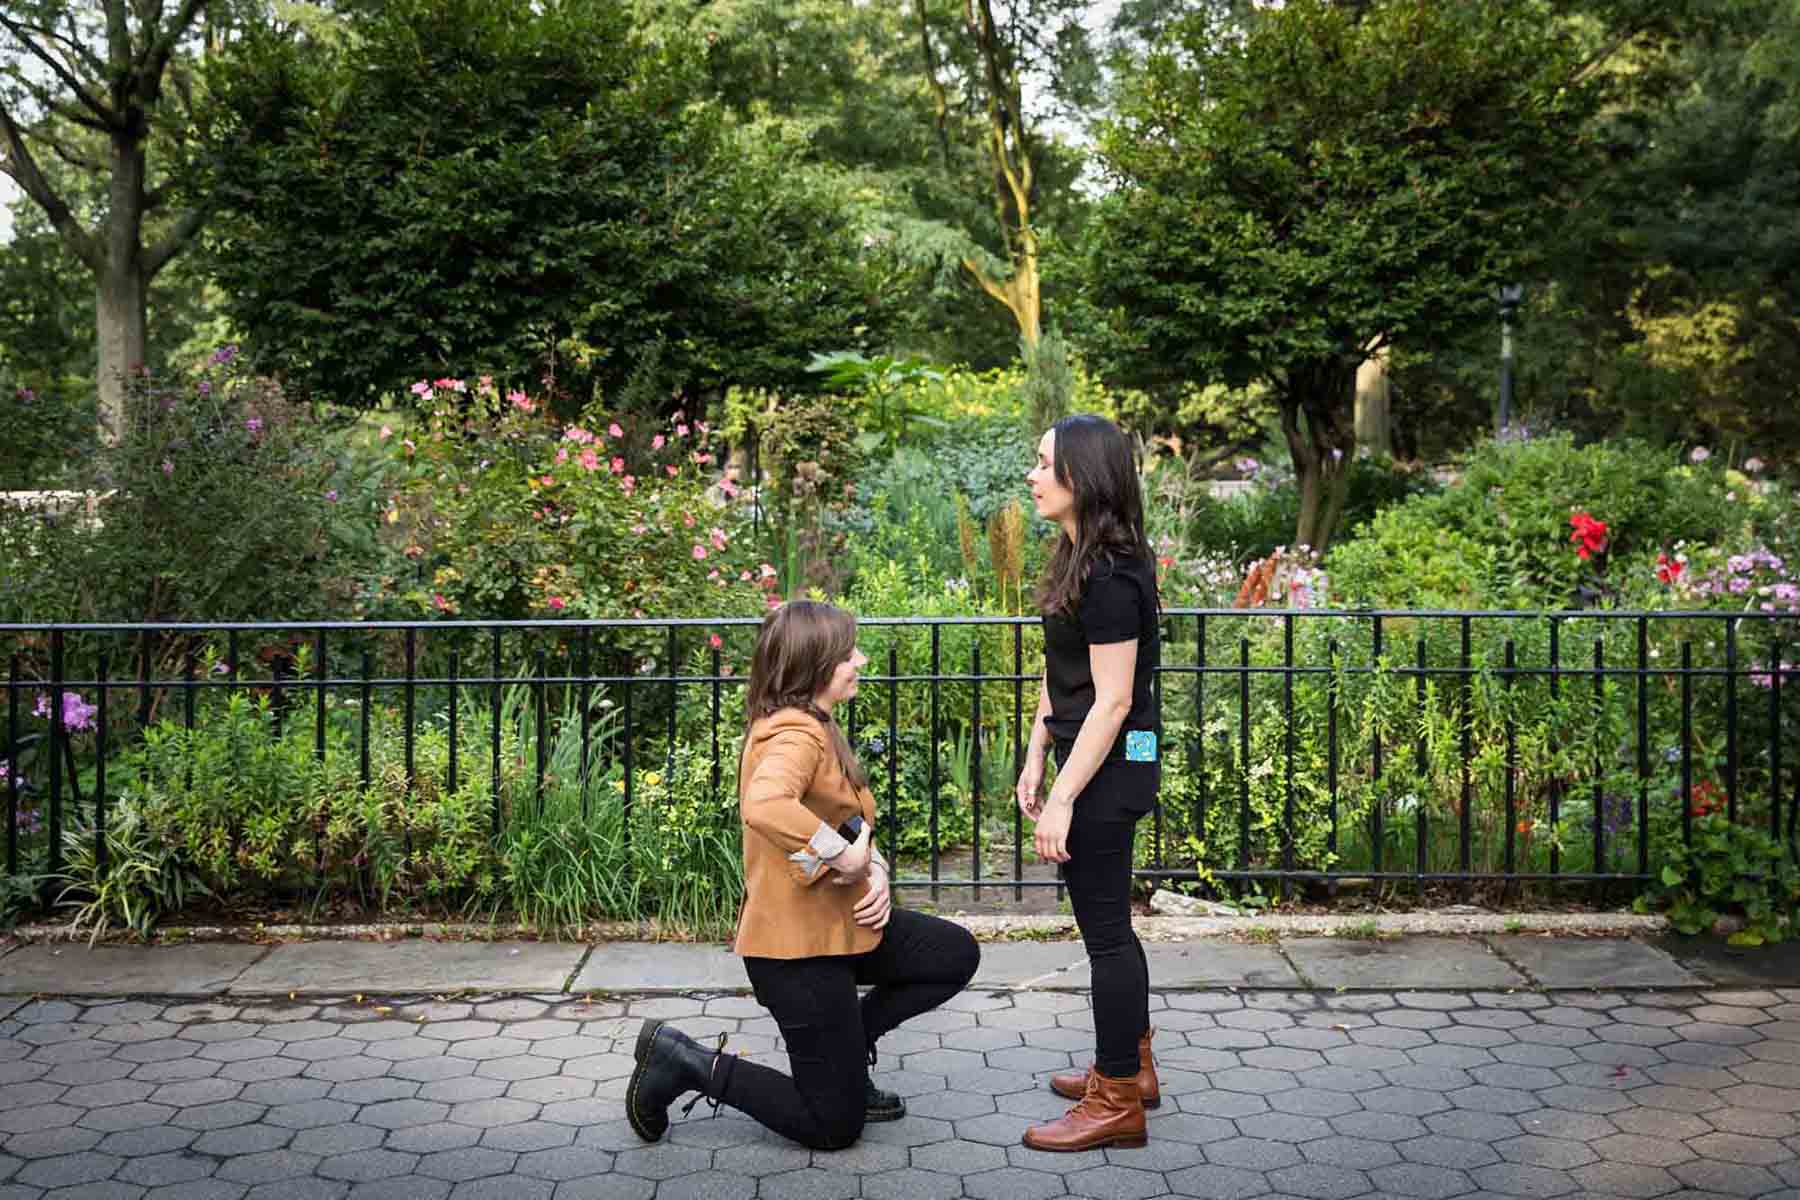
[{"x": 1117, "y": 604}]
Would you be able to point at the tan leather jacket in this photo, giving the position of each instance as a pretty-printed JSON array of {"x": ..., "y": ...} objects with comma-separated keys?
[{"x": 792, "y": 796}]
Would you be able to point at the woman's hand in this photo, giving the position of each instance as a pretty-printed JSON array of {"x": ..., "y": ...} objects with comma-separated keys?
[
  {"x": 853, "y": 863},
  {"x": 1052, "y": 836},
  {"x": 876, "y": 906},
  {"x": 1031, "y": 786}
]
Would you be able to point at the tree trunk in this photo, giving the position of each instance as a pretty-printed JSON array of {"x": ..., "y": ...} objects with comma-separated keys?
[
  {"x": 1315, "y": 403},
  {"x": 1374, "y": 405},
  {"x": 123, "y": 286}
]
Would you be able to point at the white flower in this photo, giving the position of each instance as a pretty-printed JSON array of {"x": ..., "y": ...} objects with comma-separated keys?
[
  {"x": 1753, "y": 465},
  {"x": 1699, "y": 454}
]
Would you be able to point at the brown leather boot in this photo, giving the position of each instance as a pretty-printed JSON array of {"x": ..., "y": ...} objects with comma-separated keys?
[
  {"x": 1073, "y": 1086},
  {"x": 1111, "y": 1113}
]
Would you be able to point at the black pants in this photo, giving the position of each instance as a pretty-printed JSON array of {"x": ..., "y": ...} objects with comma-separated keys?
[
  {"x": 922, "y": 961},
  {"x": 1098, "y": 874}
]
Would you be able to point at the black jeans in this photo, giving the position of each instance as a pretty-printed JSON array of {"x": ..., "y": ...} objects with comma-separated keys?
[
  {"x": 922, "y": 961},
  {"x": 1099, "y": 877}
]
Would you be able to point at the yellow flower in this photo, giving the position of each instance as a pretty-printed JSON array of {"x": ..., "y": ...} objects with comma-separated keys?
[{"x": 652, "y": 778}]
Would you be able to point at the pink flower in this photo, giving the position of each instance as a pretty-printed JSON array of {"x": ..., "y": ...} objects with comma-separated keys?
[
  {"x": 548, "y": 480},
  {"x": 1699, "y": 454},
  {"x": 687, "y": 519},
  {"x": 168, "y": 467},
  {"x": 613, "y": 430},
  {"x": 718, "y": 538},
  {"x": 715, "y": 641},
  {"x": 699, "y": 552},
  {"x": 744, "y": 576},
  {"x": 386, "y": 433},
  {"x": 768, "y": 572},
  {"x": 562, "y": 455},
  {"x": 673, "y": 470},
  {"x": 442, "y": 602},
  {"x": 253, "y": 426},
  {"x": 519, "y": 401},
  {"x": 629, "y": 484},
  {"x": 557, "y": 602},
  {"x": 618, "y": 465},
  {"x": 681, "y": 431},
  {"x": 589, "y": 460},
  {"x": 656, "y": 443},
  {"x": 487, "y": 383},
  {"x": 408, "y": 443},
  {"x": 703, "y": 459},
  {"x": 729, "y": 488},
  {"x": 702, "y": 426},
  {"x": 640, "y": 529},
  {"x": 421, "y": 388}
]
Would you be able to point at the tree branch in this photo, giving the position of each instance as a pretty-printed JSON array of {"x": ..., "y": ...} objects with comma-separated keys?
[
  {"x": 164, "y": 45},
  {"x": 24, "y": 169},
  {"x": 68, "y": 78},
  {"x": 937, "y": 85},
  {"x": 186, "y": 227}
]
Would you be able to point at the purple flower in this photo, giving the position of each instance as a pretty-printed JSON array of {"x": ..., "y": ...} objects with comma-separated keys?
[
  {"x": 253, "y": 425},
  {"x": 77, "y": 714},
  {"x": 331, "y": 496},
  {"x": 168, "y": 467},
  {"x": 205, "y": 387},
  {"x": 224, "y": 354}
]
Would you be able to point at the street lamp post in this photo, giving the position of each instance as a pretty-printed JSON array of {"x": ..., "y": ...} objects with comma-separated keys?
[{"x": 1510, "y": 295}]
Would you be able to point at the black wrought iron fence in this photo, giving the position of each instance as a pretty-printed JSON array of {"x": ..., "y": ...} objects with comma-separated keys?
[{"x": 1300, "y": 748}]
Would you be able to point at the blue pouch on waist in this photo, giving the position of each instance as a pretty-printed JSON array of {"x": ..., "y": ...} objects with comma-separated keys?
[{"x": 1140, "y": 745}]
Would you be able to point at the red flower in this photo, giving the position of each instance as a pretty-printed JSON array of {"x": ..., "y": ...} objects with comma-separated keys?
[
  {"x": 1706, "y": 798},
  {"x": 1668, "y": 570},
  {"x": 1589, "y": 536}
]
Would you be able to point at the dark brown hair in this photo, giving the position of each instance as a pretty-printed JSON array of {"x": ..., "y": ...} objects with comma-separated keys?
[
  {"x": 800, "y": 646},
  {"x": 1094, "y": 460}
]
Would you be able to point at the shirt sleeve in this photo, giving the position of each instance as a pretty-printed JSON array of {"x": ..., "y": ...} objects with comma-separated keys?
[
  {"x": 773, "y": 806},
  {"x": 1111, "y": 609}
]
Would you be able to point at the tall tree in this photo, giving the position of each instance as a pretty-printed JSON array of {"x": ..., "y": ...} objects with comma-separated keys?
[
  {"x": 522, "y": 187},
  {"x": 1292, "y": 197},
  {"x": 99, "y": 85},
  {"x": 1019, "y": 72}
]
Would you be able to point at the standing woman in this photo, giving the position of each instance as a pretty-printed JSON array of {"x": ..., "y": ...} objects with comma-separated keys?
[
  {"x": 816, "y": 920},
  {"x": 1095, "y": 709}
]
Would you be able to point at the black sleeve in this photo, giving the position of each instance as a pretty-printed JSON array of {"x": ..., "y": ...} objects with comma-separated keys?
[{"x": 1111, "y": 608}]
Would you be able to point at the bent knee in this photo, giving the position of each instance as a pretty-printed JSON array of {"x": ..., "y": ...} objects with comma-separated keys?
[{"x": 840, "y": 1130}]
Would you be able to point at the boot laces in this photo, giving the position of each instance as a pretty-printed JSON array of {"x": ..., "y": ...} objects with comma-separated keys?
[{"x": 718, "y": 1055}]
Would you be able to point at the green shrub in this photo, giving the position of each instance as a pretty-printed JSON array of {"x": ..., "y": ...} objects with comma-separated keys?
[
  {"x": 508, "y": 516},
  {"x": 1728, "y": 868},
  {"x": 216, "y": 508},
  {"x": 1507, "y": 520}
]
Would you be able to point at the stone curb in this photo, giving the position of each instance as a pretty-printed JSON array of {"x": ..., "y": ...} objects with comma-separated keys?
[{"x": 985, "y": 928}]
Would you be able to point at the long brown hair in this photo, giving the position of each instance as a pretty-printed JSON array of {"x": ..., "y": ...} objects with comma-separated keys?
[
  {"x": 800, "y": 646},
  {"x": 1094, "y": 460}
]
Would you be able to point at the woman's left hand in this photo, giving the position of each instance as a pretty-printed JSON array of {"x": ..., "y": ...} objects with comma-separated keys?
[
  {"x": 1052, "y": 836},
  {"x": 876, "y": 905}
]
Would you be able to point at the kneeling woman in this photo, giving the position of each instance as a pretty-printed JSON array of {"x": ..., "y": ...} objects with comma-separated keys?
[{"x": 816, "y": 920}]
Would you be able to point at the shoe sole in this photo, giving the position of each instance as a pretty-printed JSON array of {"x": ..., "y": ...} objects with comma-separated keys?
[
  {"x": 645, "y": 1038},
  {"x": 876, "y": 1116},
  {"x": 1128, "y": 1142},
  {"x": 1155, "y": 1103}
]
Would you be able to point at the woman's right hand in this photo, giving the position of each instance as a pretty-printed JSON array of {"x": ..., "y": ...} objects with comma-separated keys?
[
  {"x": 1031, "y": 786},
  {"x": 853, "y": 863}
]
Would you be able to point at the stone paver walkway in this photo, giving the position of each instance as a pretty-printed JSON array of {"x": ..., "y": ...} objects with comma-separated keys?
[{"x": 1273, "y": 1093}]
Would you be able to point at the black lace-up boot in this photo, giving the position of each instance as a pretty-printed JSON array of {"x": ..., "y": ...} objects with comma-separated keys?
[{"x": 669, "y": 1065}]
